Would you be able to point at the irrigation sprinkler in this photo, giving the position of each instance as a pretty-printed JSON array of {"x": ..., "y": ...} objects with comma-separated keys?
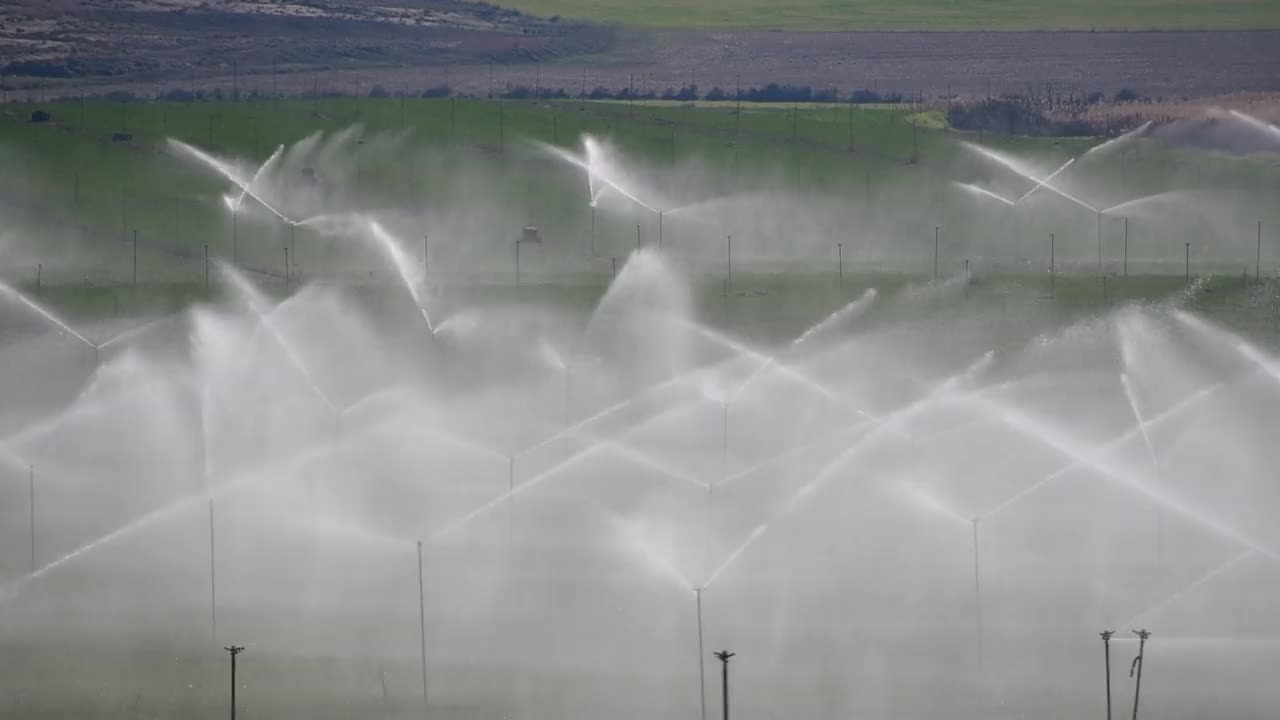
[
  {"x": 724, "y": 656},
  {"x": 517, "y": 244},
  {"x": 206, "y": 267},
  {"x": 286, "y": 268},
  {"x": 1188, "y": 270},
  {"x": 234, "y": 651},
  {"x": 422, "y": 630},
  {"x": 235, "y": 236},
  {"x": 426, "y": 253},
  {"x": 637, "y": 236},
  {"x": 1105, "y": 298},
  {"x": 293, "y": 248},
  {"x": 1138, "y": 663},
  {"x": 135, "y": 257},
  {"x": 660, "y": 212},
  {"x": 1257, "y": 271},
  {"x": 702, "y": 666},
  {"x": 840, "y": 262},
  {"x": 615, "y": 268},
  {"x": 1106, "y": 649},
  {"x": 39, "y": 272}
]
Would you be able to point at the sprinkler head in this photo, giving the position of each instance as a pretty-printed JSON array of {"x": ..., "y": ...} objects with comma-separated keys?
[
  {"x": 1142, "y": 634},
  {"x": 1106, "y": 635},
  {"x": 724, "y": 656}
]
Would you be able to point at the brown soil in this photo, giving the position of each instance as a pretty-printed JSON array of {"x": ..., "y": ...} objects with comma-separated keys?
[{"x": 151, "y": 45}]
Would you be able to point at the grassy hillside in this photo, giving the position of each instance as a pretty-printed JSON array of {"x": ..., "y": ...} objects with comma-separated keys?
[{"x": 918, "y": 14}]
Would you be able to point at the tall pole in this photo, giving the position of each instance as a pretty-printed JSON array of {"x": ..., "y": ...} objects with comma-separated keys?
[
  {"x": 1257, "y": 272},
  {"x": 234, "y": 650},
  {"x": 206, "y": 268},
  {"x": 728, "y": 263},
  {"x": 135, "y": 257},
  {"x": 235, "y": 237},
  {"x": 422, "y": 629},
  {"x": 702, "y": 666},
  {"x": 286, "y": 269},
  {"x": 737, "y": 113},
  {"x": 977, "y": 593},
  {"x": 724, "y": 656},
  {"x": 517, "y": 263},
  {"x": 1106, "y": 648},
  {"x": 511, "y": 508},
  {"x": 840, "y": 262},
  {"x": 637, "y": 236},
  {"x": 1126, "y": 247},
  {"x": 31, "y": 505},
  {"x": 1138, "y": 663},
  {"x": 659, "y": 228},
  {"x": 593, "y": 230},
  {"x": 1052, "y": 287},
  {"x": 1099, "y": 242},
  {"x": 1188, "y": 271},
  {"x": 936, "y": 233},
  {"x": 213, "y": 577}
]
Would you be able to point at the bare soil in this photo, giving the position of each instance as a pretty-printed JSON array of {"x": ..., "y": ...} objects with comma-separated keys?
[{"x": 147, "y": 46}]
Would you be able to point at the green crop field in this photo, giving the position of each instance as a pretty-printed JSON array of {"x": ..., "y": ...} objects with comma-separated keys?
[
  {"x": 918, "y": 14},
  {"x": 74, "y": 197}
]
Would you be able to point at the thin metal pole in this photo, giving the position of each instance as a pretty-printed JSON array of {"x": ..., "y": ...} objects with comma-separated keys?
[
  {"x": 936, "y": 232},
  {"x": 206, "y": 268},
  {"x": 422, "y": 629},
  {"x": 724, "y": 656},
  {"x": 39, "y": 273},
  {"x": 1188, "y": 264},
  {"x": 234, "y": 650},
  {"x": 135, "y": 257},
  {"x": 31, "y": 503},
  {"x": 1126, "y": 247},
  {"x": 235, "y": 237},
  {"x": 637, "y": 236},
  {"x": 426, "y": 253},
  {"x": 977, "y": 593},
  {"x": 1052, "y": 287},
  {"x": 1099, "y": 242},
  {"x": 1257, "y": 273},
  {"x": 659, "y": 228},
  {"x": 593, "y": 230},
  {"x": 213, "y": 577},
  {"x": 840, "y": 262},
  {"x": 511, "y": 508},
  {"x": 702, "y": 665},
  {"x": 1139, "y": 662},
  {"x": 517, "y": 263},
  {"x": 286, "y": 268},
  {"x": 1106, "y": 648},
  {"x": 728, "y": 264}
]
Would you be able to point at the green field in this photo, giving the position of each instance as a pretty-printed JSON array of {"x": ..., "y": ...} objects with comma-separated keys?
[
  {"x": 918, "y": 14},
  {"x": 881, "y": 179}
]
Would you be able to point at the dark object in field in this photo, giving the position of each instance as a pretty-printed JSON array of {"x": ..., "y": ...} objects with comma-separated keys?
[
  {"x": 40, "y": 116},
  {"x": 121, "y": 137},
  {"x": 530, "y": 234}
]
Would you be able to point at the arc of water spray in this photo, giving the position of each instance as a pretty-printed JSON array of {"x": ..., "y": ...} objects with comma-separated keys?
[
  {"x": 943, "y": 390},
  {"x": 595, "y": 173},
  {"x": 48, "y": 315},
  {"x": 1126, "y": 137},
  {"x": 1256, "y": 123},
  {"x": 256, "y": 305},
  {"x": 1202, "y": 580},
  {"x": 1017, "y": 168},
  {"x": 1245, "y": 349},
  {"x": 1057, "y": 439},
  {"x": 1046, "y": 181},
  {"x": 538, "y": 479},
  {"x": 227, "y": 172},
  {"x": 983, "y": 192},
  {"x": 237, "y": 202}
]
